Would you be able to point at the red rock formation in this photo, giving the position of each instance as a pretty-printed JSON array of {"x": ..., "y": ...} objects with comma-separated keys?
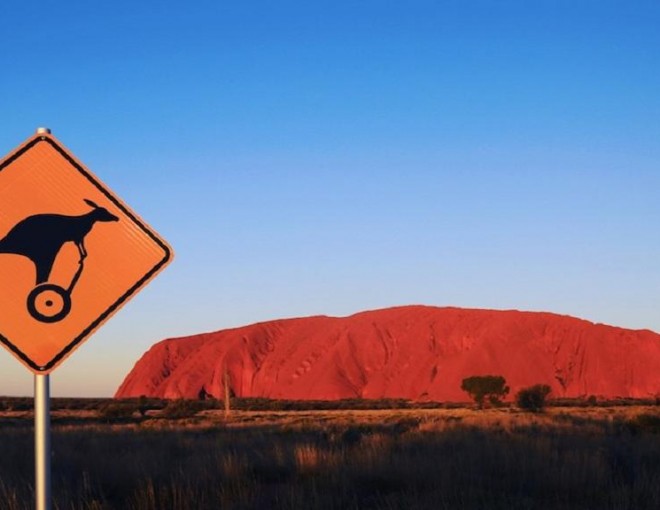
[{"x": 413, "y": 352}]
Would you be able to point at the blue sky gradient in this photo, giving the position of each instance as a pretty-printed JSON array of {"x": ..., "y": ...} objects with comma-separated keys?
[{"x": 330, "y": 157}]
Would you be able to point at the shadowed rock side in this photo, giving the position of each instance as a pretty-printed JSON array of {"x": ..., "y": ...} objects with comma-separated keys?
[{"x": 412, "y": 352}]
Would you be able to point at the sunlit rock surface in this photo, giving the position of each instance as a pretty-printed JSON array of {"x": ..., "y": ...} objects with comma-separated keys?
[{"x": 412, "y": 352}]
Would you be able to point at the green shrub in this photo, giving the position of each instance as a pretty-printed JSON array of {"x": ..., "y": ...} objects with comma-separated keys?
[
  {"x": 486, "y": 387},
  {"x": 534, "y": 398}
]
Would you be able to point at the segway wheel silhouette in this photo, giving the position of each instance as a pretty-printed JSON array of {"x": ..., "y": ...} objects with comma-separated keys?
[{"x": 49, "y": 303}]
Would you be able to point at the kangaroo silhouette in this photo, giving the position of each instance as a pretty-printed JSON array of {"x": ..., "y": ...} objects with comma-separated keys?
[{"x": 41, "y": 237}]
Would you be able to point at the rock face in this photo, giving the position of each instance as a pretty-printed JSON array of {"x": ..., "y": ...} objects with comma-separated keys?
[{"x": 412, "y": 352}]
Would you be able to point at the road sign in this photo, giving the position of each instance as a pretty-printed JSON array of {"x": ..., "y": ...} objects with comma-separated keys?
[{"x": 71, "y": 253}]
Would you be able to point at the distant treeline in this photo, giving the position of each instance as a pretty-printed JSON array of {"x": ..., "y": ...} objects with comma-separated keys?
[{"x": 265, "y": 404}]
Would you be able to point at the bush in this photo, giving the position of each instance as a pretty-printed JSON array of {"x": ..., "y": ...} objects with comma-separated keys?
[
  {"x": 486, "y": 387},
  {"x": 533, "y": 398},
  {"x": 144, "y": 404},
  {"x": 182, "y": 408},
  {"x": 117, "y": 410}
]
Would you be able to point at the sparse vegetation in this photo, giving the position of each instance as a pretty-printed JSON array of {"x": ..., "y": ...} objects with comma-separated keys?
[
  {"x": 646, "y": 422},
  {"x": 482, "y": 388},
  {"x": 183, "y": 408},
  {"x": 534, "y": 398},
  {"x": 117, "y": 410},
  {"x": 566, "y": 458}
]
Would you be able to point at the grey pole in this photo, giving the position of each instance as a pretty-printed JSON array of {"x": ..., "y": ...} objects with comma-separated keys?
[
  {"x": 42, "y": 441},
  {"x": 42, "y": 429}
]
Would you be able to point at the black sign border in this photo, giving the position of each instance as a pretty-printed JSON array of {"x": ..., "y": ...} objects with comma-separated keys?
[{"x": 119, "y": 302}]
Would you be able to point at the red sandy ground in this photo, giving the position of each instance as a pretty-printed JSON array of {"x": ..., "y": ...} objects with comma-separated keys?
[{"x": 412, "y": 352}]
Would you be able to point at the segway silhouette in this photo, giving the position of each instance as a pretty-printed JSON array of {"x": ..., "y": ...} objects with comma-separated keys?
[{"x": 40, "y": 238}]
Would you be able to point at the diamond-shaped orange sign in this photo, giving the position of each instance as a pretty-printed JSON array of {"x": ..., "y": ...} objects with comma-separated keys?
[{"x": 71, "y": 253}]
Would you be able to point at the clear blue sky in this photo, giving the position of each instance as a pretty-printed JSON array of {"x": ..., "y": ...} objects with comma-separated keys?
[{"x": 330, "y": 157}]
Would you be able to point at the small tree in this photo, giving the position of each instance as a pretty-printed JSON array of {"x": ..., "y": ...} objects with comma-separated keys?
[
  {"x": 533, "y": 398},
  {"x": 486, "y": 387}
]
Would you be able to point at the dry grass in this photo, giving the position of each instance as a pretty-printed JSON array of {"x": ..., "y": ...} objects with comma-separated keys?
[{"x": 605, "y": 458}]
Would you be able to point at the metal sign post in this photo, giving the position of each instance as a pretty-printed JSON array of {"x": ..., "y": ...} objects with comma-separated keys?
[
  {"x": 71, "y": 255},
  {"x": 42, "y": 441}
]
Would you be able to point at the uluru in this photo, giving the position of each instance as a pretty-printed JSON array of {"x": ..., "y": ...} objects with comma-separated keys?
[{"x": 410, "y": 352}]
